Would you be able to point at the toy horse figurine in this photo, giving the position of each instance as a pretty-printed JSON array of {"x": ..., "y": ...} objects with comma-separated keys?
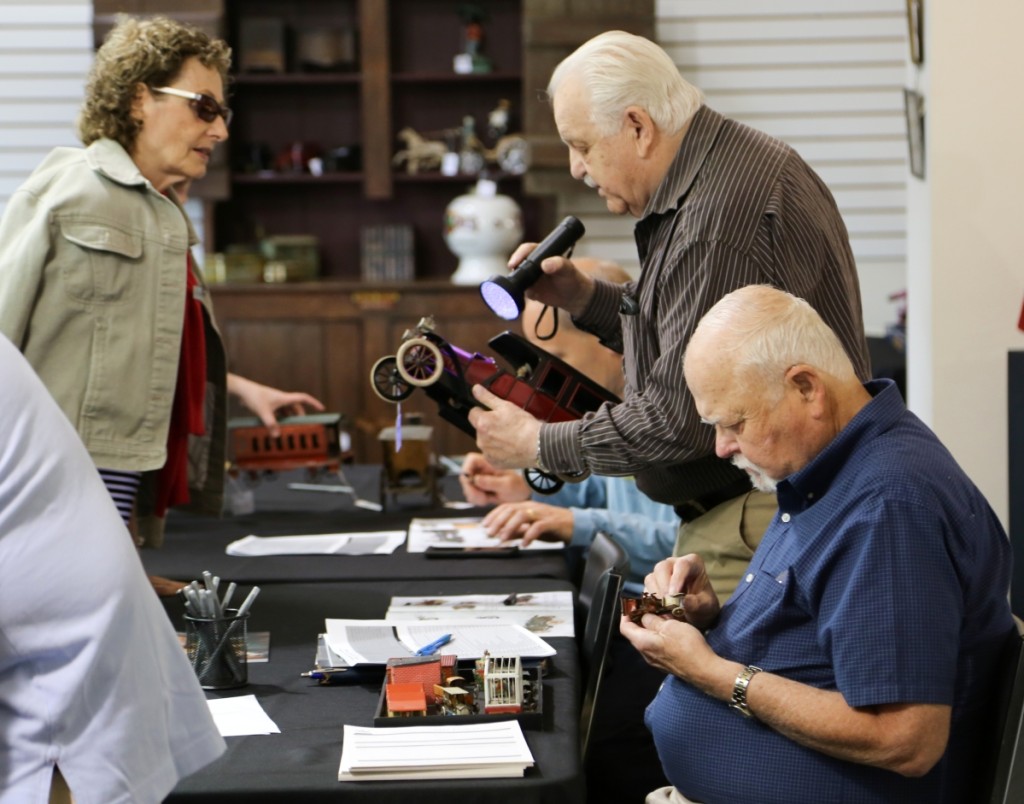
[{"x": 419, "y": 152}]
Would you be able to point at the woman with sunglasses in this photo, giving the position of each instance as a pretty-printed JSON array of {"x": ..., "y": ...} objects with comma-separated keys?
[{"x": 98, "y": 288}]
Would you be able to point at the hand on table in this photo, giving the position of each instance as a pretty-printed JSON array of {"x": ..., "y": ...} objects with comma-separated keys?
[{"x": 530, "y": 520}]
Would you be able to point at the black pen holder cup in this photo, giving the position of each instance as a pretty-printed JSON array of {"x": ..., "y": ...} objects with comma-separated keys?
[{"x": 216, "y": 649}]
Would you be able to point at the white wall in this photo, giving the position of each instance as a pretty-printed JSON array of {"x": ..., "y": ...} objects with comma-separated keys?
[
  {"x": 965, "y": 271},
  {"x": 45, "y": 52}
]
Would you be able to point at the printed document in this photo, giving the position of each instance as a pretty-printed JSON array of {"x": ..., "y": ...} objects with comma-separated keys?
[
  {"x": 546, "y": 614},
  {"x": 338, "y": 544},
  {"x": 464, "y": 532},
  {"x": 376, "y": 641},
  {"x": 473, "y": 750}
]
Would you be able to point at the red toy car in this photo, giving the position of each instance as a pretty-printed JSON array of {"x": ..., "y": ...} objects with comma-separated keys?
[{"x": 539, "y": 383}]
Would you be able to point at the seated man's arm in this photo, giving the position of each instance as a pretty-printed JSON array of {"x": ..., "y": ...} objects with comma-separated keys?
[{"x": 905, "y": 738}]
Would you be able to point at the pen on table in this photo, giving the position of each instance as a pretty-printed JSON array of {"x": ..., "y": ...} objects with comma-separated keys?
[
  {"x": 435, "y": 646},
  {"x": 323, "y": 676},
  {"x": 511, "y": 600}
]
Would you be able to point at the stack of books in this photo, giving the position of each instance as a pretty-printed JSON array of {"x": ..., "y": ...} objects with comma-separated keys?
[
  {"x": 388, "y": 253},
  {"x": 473, "y": 750}
]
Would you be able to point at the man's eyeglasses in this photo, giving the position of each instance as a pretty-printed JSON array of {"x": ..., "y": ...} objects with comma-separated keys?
[{"x": 206, "y": 107}]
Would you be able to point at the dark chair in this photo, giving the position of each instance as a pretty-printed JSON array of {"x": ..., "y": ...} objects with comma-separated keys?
[
  {"x": 1007, "y": 779},
  {"x": 604, "y": 554},
  {"x": 602, "y": 619}
]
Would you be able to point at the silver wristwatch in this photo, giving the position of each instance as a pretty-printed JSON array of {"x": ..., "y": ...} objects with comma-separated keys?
[{"x": 739, "y": 690}]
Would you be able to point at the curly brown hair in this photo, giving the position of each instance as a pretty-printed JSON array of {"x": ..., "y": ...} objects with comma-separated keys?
[{"x": 149, "y": 52}]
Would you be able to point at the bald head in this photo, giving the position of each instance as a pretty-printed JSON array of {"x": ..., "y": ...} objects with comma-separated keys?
[
  {"x": 755, "y": 333},
  {"x": 772, "y": 379}
]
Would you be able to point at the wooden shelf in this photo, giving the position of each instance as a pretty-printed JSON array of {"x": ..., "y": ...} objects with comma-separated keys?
[
  {"x": 404, "y": 79},
  {"x": 296, "y": 79},
  {"x": 296, "y": 178},
  {"x": 455, "y": 78}
]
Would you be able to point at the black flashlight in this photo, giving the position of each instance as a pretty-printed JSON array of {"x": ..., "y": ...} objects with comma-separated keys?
[{"x": 505, "y": 294}]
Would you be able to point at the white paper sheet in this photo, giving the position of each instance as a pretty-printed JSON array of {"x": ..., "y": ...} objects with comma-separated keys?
[
  {"x": 239, "y": 716},
  {"x": 462, "y": 532},
  {"x": 472, "y": 750},
  {"x": 376, "y": 641},
  {"x": 546, "y": 614},
  {"x": 376, "y": 542}
]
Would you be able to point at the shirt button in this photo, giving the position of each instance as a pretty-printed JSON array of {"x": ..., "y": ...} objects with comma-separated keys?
[
  {"x": 749, "y": 578},
  {"x": 785, "y": 517}
]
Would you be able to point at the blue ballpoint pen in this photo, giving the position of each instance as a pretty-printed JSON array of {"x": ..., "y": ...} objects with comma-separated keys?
[{"x": 435, "y": 646}]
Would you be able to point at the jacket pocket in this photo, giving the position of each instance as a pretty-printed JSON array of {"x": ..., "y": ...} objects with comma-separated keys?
[{"x": 102, "y": 261}]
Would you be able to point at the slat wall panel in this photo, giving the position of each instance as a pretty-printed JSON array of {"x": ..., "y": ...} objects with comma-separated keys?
[
  {"x": 827, "y": 77},
  {"x": 45, "y": 53}
]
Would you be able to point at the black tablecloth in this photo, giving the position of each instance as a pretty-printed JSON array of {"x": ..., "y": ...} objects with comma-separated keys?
[
  {"x": 301, "y": 764},
  {"x": 195, "y": 543}
]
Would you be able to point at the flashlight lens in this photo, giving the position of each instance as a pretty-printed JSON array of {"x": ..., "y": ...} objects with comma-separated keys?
[{"x": 501, "y": 302}]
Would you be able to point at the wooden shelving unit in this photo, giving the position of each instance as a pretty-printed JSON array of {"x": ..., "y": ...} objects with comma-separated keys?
[{"x": 404, "y": 78}]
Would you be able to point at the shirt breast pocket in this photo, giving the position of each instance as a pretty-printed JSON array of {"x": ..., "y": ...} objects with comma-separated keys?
[{"x": 101, "y": 261}]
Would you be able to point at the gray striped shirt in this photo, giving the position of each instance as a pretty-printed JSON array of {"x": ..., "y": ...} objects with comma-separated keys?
[{"x": 736, "y": 208}]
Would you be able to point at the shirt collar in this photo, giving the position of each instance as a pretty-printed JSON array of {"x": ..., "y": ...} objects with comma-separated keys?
[
  {"x": 689, "y": 159},
  {"x": 808, "y": 485},
  {"x": 109, "y": 158}
]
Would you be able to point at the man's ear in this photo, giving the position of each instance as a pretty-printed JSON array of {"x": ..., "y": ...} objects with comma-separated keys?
[
  {"x": 805, "y": 380},
  {"x": 641, "y": 129}
]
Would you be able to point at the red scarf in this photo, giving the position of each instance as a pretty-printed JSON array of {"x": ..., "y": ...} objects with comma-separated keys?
[{"x": 189, "y": 396}]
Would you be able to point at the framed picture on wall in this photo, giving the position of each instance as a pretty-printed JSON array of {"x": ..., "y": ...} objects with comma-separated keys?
[
  {"x": 915, "y": 30},
  {"x": 914, "y": 104}
]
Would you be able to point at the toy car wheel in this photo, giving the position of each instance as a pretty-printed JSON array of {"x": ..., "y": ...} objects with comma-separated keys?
[
  {"x": 542, "y": 482},
  {"x": 419, "y": 362},
  {"x": 387, "y": 381}
]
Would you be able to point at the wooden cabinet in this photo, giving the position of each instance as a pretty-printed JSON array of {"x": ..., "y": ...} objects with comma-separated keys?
[
  {"x": 403, "y": 77},
  {"x": 324, "y": 338}
]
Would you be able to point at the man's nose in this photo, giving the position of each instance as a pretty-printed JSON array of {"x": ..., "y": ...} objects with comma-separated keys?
[
  {"x": 725, "y": 445},
  {"x": 576, "y": 167}
]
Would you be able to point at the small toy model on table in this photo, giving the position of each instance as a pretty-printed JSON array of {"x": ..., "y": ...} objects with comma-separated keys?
[
  {"x": 314, "y": 442},
  {"x": 311, "y": 442},
  {"x": 430, "y": 690},
  {"x": 538, "y": 382},
  {"x": 411, "y": 469}
]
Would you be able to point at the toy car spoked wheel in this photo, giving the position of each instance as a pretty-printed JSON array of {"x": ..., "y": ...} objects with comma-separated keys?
[
  {"x": 542, "y": 482},
  {"x": 387, "y": 382},
  {"x": 419, "y": 362}
]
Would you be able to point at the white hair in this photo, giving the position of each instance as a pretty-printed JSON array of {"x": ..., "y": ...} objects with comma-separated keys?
[
  {"x": 761, "y": 332},
  {"x": 619, "y": 70}
]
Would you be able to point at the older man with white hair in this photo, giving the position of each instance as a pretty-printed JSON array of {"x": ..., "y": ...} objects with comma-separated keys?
[
  {"x": 856, "y": 660},
  {"x": 720, "y": 206}
]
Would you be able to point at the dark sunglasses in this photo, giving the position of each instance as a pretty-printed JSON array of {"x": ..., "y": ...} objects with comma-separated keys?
[{"x": 206, "y": 107}]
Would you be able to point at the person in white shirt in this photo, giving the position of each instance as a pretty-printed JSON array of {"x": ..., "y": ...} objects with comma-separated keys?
[{"x": 96, "y": 693}]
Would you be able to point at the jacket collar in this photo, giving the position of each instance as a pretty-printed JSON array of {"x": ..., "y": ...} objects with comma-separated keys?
[{"x": 109, "y": 158}]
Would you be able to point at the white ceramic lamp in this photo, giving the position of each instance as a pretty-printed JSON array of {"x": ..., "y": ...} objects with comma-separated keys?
[{"x": 482, "y": 228}]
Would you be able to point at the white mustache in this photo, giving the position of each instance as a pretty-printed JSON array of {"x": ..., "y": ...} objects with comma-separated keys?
[{"x": 587, "y": 180}]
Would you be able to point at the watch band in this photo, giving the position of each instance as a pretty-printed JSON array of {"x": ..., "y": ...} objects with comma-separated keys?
[{"x": 739, "y": 690}]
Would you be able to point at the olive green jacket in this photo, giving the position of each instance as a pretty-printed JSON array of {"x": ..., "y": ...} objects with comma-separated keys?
[{"x": 92, "y": 283}]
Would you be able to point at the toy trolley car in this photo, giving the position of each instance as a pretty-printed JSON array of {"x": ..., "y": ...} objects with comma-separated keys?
[{"x": 538, "y": 382}]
